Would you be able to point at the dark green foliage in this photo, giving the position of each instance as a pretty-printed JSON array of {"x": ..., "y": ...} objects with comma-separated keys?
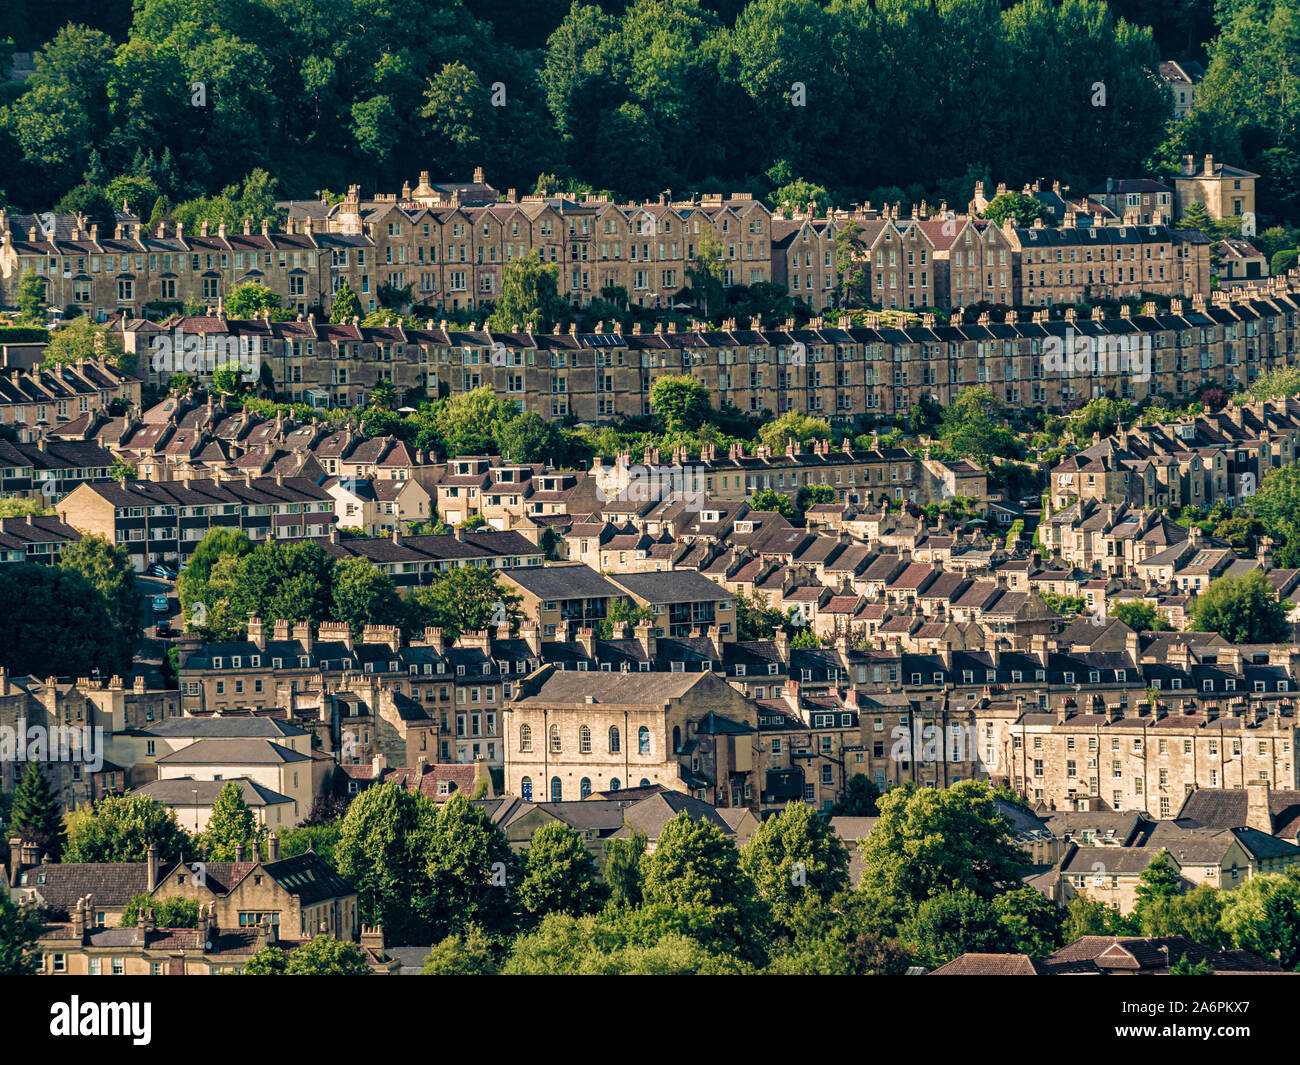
[
  {"x": 57, "y": 623},
  {"x": 35, "y": 815},
  {"x": 1241, "y": 609},
  {"x": 121, "y": 829},
  {"x": 173, "y": 912}
]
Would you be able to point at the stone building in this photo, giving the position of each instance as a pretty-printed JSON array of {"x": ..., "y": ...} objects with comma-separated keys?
[{"x": 570, "y": 734}]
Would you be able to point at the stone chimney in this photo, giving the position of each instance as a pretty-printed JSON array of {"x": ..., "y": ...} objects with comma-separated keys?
[
  {"x": 152, "y": 859},
  {"x": 1259, "y": 815},
  {"x": 273, "y": 848},
  {"x": 645, "y": 635}
]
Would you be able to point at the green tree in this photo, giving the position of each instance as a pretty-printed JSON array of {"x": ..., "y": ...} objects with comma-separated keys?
[
  {"x": 1139, "y": 616},
  {"x": 769, "y": 499},
  {"x": 530, "y": 296},
  {"x": 289, "y": 580},
  {"x": 59, "y": 624},
  {"x": 796, "y": 196},
  {"x": 695, "y": 885},
  {"x": 173, "y": 912},
  {"x": 850, "y": 256},
  {"x": 204, "y": 586},
  {"x": 83, "y": 339},
  {"x": 1283, "y": 261},
  {"x": 121, "y": 828},
  {"x": 858, "y": 798},
  {"x": 681, "y": 403},
  {"x": 346, "y": 306},
  {"x": 469, "y": 865},
  {"x": 950, "y": 924},
  {"x": 624, "y": 871},
  {"x": 707, "y": 273},
  {"x": 382, "y": 845},
  {"x": 14, "y": 507},
  {"x": 529, "y": 437},
  {"x": 468, "y": 953},
  {"x": 1184, "y": 966},
  {"x": 810, "y": 495},
  {"x": 364, "y": 595},
  {"x": 226, "y": 378},
  {"x": 1198, "y": 915},
  {"x": 324, "y": 955},
  {"x": 1196, "y": 216},
  {"x": 1158, "y": 881},
  {"x": 1022, "y": 209},
  {"x": 622, "y": 614},
  {"x": 462, "y": 599},
  {"x": 231, "y": 825},
  {"x": 1086, "y": 917},
  {"x": 795, "y": 861},
  {"x": 252, "y": 300},
  {"x": 1263, "y": 916},
  {"x": 107, "y": 567},
  {"x": 792, "y": 425},
  {"x": 1031, "y": 923},
  {"x": 90, "y": 202},
  {"x": 1102, "y": 415},
  {"x": 31, "y": 299},
  {"x": 269, "y": 961},
  {"x": 1241, "y": 609},
  {"x": 559, "y": 875},
  {"x": 35, "y": 815},
  {"x": 974, "y": 425},
  {"x": 1275, "y": 384},
  {"x": 20, "y": 927},
  {"x": 466, "y": 423},
  {"x": 133, "y": 192},
  {"x": 935, "y": 840}
]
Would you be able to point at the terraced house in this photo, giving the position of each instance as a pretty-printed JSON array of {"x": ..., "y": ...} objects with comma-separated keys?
[
  {"x": 34, "y": 401},
  {"x": 832, "y": 370},
  {"x": 163, "y": 522}
]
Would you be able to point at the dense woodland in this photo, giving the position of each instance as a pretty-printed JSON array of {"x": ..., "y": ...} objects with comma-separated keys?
[{"x": 160, "y": 102}]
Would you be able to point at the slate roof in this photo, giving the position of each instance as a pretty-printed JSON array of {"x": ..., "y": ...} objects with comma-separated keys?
[{"x": 232, "y": 752}]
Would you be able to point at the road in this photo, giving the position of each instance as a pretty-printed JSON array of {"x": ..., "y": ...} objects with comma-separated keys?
[{"x": 149, "y": 655}]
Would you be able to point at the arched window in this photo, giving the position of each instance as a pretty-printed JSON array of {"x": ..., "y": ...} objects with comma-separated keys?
[
  {"x": 643, "y": 740},
  {"x": 555, "y": 739},
  {"x": 584, "y": 789},
  {"x": 584, "y": 740},
  {"x": 644, "y": 782},
  {"x": 526, "y": 787},
  {"x": 614, "y": 746},
  {"x": 557, "y": 790},
  {"x": 525, "y": 737},
  {"x": 614, "y": 785},
  {"x": 677, "y": 739}
]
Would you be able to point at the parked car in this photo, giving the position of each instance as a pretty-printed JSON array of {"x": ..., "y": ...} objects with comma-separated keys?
[
  {"x": 164, "y": 630},
  {"x": 165, "y": 572},
  {"x": 160, "y": 604}
]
